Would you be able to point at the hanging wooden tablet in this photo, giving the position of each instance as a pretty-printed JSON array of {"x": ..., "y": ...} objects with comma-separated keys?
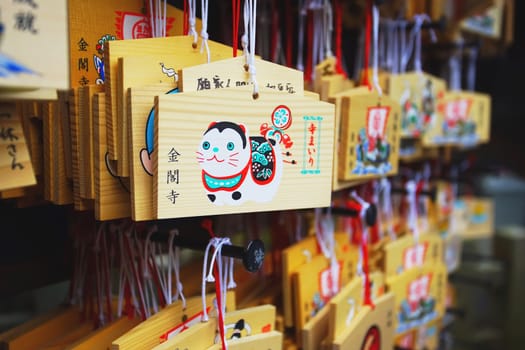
[
  {"x": 373, "y": 328},
  {"x": 349, "y": 301},
  {"x": 62, "y": 191},
  {"x": 85, "y": 114},
  {"x": 292, "y": 258},
  {"x": 325, "y": 68},
  {"x": 112, "y": 198},
  {"x": 333, "y": 84},
  {"x": 17, "y": 169},
  {"x": 29, "y": 28},
  {"x": 33, "y": 132},
  {"x": 238, "y": 324},
  {"x": 148, "y": 333},
  {"x": 315, "y": 331},
  {"x": 138, "y": 71},
  {"x": 315, "y": 283},
  {"x": 44, "y": 332},
  {"x": 102, "y": 337},
  {"x": 338, "y": 184},
  {"x": 420, "y": 296},
  {"x": 63, "y": 101},
  {"x": 141, "y": 108},
  {"x": 292, "y": 153},
  {"x": 92, "y": 24},
  {"x": 419, "y": 95},
  {"x": 153, "y": 46},
  {"x": 267, "y": 341},
  {"x": 301, "y": 253},
  {"x": 404, "y": 254},
  {"x": 79, "y": 203},
  {"x": 473, "y": 217},
  {"x": 44, "y": 94},
  {"x": 463, "y": 120},
  {"x": 230, "y": 73},
  {"x": 369, "y": 138}
]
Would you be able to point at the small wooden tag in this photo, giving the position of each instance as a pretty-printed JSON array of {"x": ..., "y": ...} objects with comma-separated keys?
[
  {"x": 141, "y": 108},
  {"x": 17, "y": 169},
  {"x": 419, "y": 95},
  {"x": 372, "y": 328},
  {"x": 369, "y": 138},
  {"x": 403, "y": 253},
  {"x": 463, "y": 120},
  {"x": 420, "y": 296},
  {"x": 112, "y": 199},
  {"x": 34, "y": 44}
]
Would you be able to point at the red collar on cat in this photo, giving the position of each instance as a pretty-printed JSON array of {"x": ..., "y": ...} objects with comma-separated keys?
[{"x": 224, "y": 183}]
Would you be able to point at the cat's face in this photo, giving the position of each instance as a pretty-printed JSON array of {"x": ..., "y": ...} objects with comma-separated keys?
[{"x": 223, "y": 153}]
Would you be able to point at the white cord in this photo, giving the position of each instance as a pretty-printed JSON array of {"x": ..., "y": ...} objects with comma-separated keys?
[
  {"x": 244, "y": 38},
  {"x": 252, "y": 5},
  {"x": 375, "y": 77},
  {"x": 328, "y": 24},
  {"x": 204, "y": 31},
  {"x": 192, "y": 15}
]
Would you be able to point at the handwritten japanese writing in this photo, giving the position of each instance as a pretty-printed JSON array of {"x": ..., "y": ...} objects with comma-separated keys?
[
  {"x": 312, "y": 130},
  {"x": 25, "y": 18},
  {"x": 173, "y": 175},
  {"x": 82, "y": 45},
  {"x": 217, "y": 82},
  {"x": 7, "y": 134}
]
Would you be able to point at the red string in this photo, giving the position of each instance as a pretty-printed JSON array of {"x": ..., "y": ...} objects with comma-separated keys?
[
  {"x": 207, "y": 225},
  {"x": 186, "y": 19},
  {"x": 289, "y": 33},
  {"x": 368, "y": 29},
  {"x": 338, "y": 9},
  {"x": 309, "y": 42},
  {"x": 236, "y": 13}
]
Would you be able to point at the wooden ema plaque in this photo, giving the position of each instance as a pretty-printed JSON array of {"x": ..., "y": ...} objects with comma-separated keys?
[
  {"x": 419, "y": 95},
  {"x": 209, "y": 160},
  {"x": 159, "y": 47},
  {"x": 141, "y": 110},
  {"x": 112, "y": 199},
  {"x": 317, "y": 281},
  {"x": 463, "y": 120},
  {"x": 473, "y": 217},
  {"x": 17, "y": 169},
  {"x": 86, "y": 146},
  {"x": 93, "y": 23},
  {"x": 369, "y": 137},
  {"x": 404, "y": 254},
  {"x": 34, "y": 45},
  {"x": 292, "y": 258},
  {"x": 230, "y": 73},
  {"x": 139, "y": 71},
  {"x": 346, "y": 305},
  {"x": 148, "y": 334},
  {"x": 420, "y": 296},
  {"x": 80, "y": 203},
  {"x": 300, "y": 254},
  {"x": 267, "y": 341},
  {"x": 238, "y": 324},
  {"x": 336, "y": 99},
  {"x": 56, "y": 185},
  {"x": 315, "y": 331},
  {"x": 372, "y": 328}
]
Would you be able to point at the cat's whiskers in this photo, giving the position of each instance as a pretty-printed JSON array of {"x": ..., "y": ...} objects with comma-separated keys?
[{"x": 233, "y": 164}]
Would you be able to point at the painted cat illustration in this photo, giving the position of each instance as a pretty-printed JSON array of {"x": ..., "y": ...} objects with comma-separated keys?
[{"x": 236, "y": 167}]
